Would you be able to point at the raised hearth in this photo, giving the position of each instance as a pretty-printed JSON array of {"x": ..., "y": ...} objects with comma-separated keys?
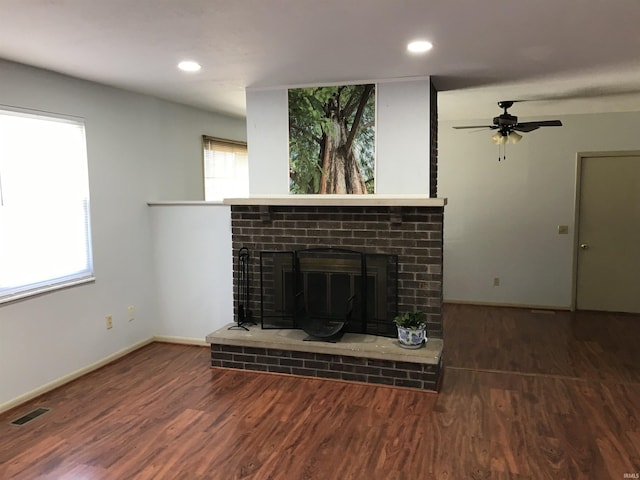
[
  {"x": 357, "y": 357},
  {"x": 403, "y": 227}
]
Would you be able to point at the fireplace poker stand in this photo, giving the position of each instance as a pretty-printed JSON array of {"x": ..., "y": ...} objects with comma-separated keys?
[{"x": 242, "y": 293}]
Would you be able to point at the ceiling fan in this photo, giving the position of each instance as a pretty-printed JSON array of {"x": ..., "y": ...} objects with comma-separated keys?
[{"x": 507, "y": 125}]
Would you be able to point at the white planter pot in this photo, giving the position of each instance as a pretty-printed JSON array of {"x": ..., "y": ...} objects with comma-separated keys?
[{"x": 412, "y": 337}]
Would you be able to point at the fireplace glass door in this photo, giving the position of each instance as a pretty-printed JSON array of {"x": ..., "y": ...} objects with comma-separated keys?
[{"x": 328, "y": 286}]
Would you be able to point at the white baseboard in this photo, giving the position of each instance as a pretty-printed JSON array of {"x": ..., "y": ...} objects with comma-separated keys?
[
  {"x": 201, "y": 342},
  {"x": 72, "y": 376},
  {"x": 514, "y": 305}
]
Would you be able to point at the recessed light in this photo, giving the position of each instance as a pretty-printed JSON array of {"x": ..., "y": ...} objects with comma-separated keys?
[
  {"x": 419, "y": 46},
  {"x": 189, "y": 66}
]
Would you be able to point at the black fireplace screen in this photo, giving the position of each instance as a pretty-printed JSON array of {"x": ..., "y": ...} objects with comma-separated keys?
[{"x": 329, "y": 286}]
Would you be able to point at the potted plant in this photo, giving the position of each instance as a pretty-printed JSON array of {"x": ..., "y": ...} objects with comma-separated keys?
[{"x": 412, "y": 329}]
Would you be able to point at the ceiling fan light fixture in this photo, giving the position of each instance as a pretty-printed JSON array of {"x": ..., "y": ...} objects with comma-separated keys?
[
  {"x": 515, "y": 137},
  {"x": 498, "y": 138}
]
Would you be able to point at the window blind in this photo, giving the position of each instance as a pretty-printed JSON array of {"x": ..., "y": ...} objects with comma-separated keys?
[
  {"x": 226, "y": 168},
  {"x": 45, "y": 239}
]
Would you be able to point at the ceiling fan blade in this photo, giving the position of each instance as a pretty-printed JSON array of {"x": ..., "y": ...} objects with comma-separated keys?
[
  {"x": 531, "y": 126},
  {"x": 548, "y": 123},
  {"x": 475, "y": 126},
  {"x": 526, "y": 127}
]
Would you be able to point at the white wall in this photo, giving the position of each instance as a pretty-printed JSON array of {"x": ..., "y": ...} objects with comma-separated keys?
[
  {"x": 501, "y": 219},
  {"x": 139, "y": 149},
  {"x": 268, "y": 141},
  {"x": 194, "y": 269},
  {"x": 402, "y": 138}
]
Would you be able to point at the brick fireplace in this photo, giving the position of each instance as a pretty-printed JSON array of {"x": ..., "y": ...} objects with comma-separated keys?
[{"x": 407, "y": 227}]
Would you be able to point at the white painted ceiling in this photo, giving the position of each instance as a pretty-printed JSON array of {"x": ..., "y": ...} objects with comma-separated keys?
[{"x": 569, "y": 56}]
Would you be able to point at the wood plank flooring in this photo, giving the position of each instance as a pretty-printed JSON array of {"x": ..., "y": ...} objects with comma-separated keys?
[
  {"x": 524, "y": 396},
  {"x": 587, "y": 345}
]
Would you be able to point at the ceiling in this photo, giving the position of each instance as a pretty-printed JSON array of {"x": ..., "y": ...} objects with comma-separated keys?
[{"x": 569, "y": 56}]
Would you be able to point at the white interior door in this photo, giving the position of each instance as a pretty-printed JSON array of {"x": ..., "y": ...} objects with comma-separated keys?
[{"x": 608, "y": 259}]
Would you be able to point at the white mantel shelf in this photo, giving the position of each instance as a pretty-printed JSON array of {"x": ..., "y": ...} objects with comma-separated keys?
[{"x": 340, "y": 200}]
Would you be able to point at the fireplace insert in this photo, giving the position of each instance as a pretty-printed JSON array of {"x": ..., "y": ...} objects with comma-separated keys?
[{"x": 329, "y": 291}]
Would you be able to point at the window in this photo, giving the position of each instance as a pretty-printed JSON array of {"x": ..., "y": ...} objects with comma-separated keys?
[
  {"x": 45, "y": 238},
  {"x": 226, "y": 169}
]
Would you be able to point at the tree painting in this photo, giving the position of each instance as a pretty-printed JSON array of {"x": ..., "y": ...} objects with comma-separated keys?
[{"x": 331, "y": 139}]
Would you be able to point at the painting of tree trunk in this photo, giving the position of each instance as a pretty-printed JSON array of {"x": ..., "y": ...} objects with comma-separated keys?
[{"x": 331, "y": 139}]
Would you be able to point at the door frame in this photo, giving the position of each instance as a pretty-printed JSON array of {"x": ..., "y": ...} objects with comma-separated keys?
[{"x": 580, "y": 156}]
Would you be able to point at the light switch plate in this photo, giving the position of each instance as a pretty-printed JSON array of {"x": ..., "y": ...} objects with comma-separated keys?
[{"x": 563, "y": 229}]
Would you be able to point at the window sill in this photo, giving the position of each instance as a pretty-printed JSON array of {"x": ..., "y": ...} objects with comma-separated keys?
[{"x": 46, "y": 289}]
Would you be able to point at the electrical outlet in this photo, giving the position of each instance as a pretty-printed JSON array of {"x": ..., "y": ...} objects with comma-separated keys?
[
  {"x": 132, "y": 313},
  {"x": 496, "y": 281},
  {"x": 109, "y": 320}
]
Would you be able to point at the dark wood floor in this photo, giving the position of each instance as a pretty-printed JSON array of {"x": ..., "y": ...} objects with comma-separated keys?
[{"x": 525, "y": 395}]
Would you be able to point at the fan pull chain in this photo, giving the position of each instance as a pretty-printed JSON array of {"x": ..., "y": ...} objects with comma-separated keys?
[{"x": 502, "y": 151}]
